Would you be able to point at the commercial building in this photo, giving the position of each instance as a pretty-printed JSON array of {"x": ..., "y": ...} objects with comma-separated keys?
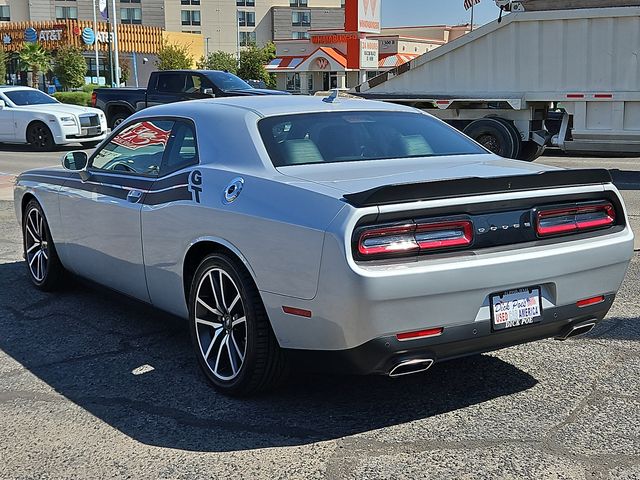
[{"x": 225, "y": 24}]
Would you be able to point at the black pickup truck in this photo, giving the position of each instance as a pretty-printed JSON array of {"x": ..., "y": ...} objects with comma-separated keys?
[{"x": 171, "y": 86}]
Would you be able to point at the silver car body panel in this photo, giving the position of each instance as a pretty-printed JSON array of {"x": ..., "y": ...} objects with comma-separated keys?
[{"x": 292, "y": 229}]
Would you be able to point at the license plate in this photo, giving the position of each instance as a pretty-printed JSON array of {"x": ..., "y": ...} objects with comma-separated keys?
[{"x": 516, "y": 308}]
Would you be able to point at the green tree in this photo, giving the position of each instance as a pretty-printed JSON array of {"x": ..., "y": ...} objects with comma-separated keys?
[
  {"x": 174, "y": 57},
  {"x": 70, "y": 67},
  {"x": 219, "y": 60},
  {"x": 37, "y": 59},
  {"x": 252, "y": 65},
  {"x": 125, "y": 70},
  {"x": 3, "y": 67}
]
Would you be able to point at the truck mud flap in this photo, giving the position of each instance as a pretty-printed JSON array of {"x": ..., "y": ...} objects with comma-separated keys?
[{"x": 465, "y": 187}]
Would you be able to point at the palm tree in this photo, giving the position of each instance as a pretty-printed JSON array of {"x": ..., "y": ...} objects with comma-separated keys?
[{"x": 37, "y": 59}]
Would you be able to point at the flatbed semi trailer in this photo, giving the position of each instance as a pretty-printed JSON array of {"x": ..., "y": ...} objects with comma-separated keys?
[{"x": 565, "y": 78}]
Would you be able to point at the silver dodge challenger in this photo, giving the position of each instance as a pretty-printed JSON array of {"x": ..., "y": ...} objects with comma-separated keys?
[{"x": 327, "y": 233}]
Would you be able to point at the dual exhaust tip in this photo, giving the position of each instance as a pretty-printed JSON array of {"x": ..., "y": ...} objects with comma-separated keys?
[
  {"x": 409, "y": 367},
  {"x": 576, "y": 330}
]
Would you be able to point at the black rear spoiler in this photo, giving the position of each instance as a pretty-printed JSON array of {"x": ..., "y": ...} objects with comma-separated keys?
[{"x": 465, "y": 187}]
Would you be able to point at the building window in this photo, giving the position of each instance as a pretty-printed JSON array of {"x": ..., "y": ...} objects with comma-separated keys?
[
  {"x": 129, "y": 1},
  {"x": 192, "y": 31},
  {"x": 301, "y": 19},
  {"x": 5, "y": 14},
  {"x": 62, "y": 13},
  {"x": 300, "y": 35},
  {"x": 131, "y": 15},
  {"x": 246, "y": 19},
  {"x": 293, "y": 82},
  {"x": 247, "y": 39},
  {"x": 246, "y": 3},
  {"x": 190, "y": 2},
  {"x": 298, "y": 3},
  {"x": 190, "y": 17}
]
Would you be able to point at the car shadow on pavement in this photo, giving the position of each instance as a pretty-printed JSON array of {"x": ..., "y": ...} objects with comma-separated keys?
[
  {"x": 132, "y": 367},
  {"x": 24, "y": 148}
]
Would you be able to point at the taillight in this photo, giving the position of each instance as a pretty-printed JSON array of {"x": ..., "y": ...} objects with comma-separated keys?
[
  {"x": 94, "y": 99},
  {"x": 574, "y": 219},
  {"x": 415, "y": 237}
]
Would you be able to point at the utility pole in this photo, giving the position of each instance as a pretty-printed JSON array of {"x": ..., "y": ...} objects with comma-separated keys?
[
  {"x": 472, "y": 5},
  {"x": 95, "y": 41},
  {"x": 115, "y": 45}
]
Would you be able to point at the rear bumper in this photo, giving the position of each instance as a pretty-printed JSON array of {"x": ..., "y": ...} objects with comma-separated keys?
[{"x": 381, "y": 355}]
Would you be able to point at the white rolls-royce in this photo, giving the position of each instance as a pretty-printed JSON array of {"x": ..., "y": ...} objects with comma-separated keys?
[{"x": 30, "y": 116}]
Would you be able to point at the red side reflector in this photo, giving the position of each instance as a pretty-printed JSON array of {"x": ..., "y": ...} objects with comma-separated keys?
[
  {"x": 431, "y": 332},
  {"x": 590, "y": 301},
  {"x": 603, "y": 95},
  {"x": 575, "y": 95},
  {"x": 300, "y": 312}
]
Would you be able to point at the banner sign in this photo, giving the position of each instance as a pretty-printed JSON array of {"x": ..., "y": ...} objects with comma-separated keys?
[
  {"x": 362, "y": 16},
  {"x": 369, "y": 54}
]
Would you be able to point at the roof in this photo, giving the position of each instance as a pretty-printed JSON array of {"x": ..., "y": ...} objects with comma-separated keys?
[
  {"x": 396, "y": 60},
  {"x": 270, "y": 105},
  {"x": 292, "y": 62}
]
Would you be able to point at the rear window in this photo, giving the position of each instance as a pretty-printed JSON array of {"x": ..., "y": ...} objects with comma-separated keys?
[{"x": 331, "y": 137}]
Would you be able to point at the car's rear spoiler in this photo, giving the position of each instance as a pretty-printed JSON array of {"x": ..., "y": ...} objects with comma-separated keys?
[{"x": 465, "y": 187}]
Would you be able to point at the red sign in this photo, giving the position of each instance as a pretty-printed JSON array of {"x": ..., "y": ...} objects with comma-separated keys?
[
  {"x": 322, "y": 63},
  {"x": 142, "y": 135},
  {"x": 362, "y": 16}
]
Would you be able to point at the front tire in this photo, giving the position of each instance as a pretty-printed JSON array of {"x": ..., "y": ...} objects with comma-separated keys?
[
  {"x": 232, "y": 338},
  {"x": 43, "y": 264},
  {"x": 40, "y": 137}
]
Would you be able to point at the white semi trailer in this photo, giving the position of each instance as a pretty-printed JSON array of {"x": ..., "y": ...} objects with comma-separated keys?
[{"x": 567, "y": 78}]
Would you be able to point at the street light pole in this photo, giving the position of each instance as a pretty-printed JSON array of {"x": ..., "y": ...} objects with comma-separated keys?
[{"x": 116, "y": 61}]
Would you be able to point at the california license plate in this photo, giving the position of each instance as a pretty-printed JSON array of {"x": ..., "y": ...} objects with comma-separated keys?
[{"x": 516, "y": 308}]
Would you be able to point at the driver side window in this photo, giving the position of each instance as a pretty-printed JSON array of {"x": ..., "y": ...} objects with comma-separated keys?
[{"x": 137, "y": 149}]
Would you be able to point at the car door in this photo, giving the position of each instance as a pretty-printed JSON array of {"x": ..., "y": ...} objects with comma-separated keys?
[
  {"x": 7, "y": 126},
  {"x": 170, "y": 217},
  {"x": 101, "y": 215}
]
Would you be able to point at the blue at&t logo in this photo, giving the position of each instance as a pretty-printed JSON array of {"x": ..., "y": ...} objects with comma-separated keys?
[
  {"x": 30, "y": 35},
  {"x": 88, "y": 37}
]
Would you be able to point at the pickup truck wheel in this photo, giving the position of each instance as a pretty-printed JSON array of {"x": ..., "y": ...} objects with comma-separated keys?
[
  {"x": 40, "y": 137},
  {"x": 118, "y": 118},
  {"x": 231, "y": 334},
  {"x": 494, "y": 135}
]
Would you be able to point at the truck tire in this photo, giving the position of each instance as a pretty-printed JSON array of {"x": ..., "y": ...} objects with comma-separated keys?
[
  {"x": 494, "y": 135},
  {"x": 530, "y": 151},
  {"x": 515, "y": 134},
  {"x": 117, "y": 118}
]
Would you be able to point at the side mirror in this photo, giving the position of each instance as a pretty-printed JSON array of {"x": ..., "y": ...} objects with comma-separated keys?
[
  {"x": 209, "y": 91},
  {"x": 75, "y": 161},
  {"x": 2, "y": 104}
]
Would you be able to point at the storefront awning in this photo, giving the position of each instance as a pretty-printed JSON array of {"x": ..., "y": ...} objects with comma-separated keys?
[{"x": 395, "y": 60}]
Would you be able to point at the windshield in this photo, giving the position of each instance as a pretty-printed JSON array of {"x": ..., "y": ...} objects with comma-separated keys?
[
  {"x": 228, "y": 81},
  {"x": 29, "y": 97},
  {"x": 357, "y": 136}
]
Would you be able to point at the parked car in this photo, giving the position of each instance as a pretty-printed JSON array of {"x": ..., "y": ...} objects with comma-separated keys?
[
  {"x": 257, "y": 83},
  {"x": 172, "y": 86},
  {"x": 353, "y": 235},
  {"x": 30, "y": 116}
]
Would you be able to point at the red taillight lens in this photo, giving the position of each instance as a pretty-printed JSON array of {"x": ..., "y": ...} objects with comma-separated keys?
[
  {"x": 94, "y": 97},
  {"x": 559, "y": 221},
  {"x": 415, "y": 237}
]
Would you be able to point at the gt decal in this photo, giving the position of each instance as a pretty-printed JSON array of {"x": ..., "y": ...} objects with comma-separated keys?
[{"x": 195, "y": 184}]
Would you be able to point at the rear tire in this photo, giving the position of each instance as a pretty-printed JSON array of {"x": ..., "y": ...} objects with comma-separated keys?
[
  {"x": 494, "y": 135},
  {"x": 43, "y": 264},
  {"x": 231, "y": 334},
  {"x": 40, "y": 137},
  {"x": 117, "y": 118},
  {"x": 515, "y": 135},
  {"x": 530, "y": 151}
]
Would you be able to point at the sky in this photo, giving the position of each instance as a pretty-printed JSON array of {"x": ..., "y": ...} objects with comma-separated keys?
[{"x": 397, "y": 13}]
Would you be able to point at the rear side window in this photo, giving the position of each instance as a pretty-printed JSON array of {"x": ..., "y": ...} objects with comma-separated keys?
[
  {"x": 171, "y": 82},
  {"x": 359, "y": 136},
  {"x": 182, "y": 151}
]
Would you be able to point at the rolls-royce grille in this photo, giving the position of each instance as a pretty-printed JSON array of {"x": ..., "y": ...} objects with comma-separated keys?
[{"x": 89, "y": 121}]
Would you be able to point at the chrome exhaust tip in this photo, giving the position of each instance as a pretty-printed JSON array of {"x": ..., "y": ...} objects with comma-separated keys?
[
  {"x": 576, "y": 330},
  {"x": 409, "y": 367}
]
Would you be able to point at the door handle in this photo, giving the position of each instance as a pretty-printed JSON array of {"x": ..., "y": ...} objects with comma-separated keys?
[{"x": 134, "y": 196}]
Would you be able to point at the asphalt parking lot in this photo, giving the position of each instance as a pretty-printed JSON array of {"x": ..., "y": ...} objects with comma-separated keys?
[{"x": 93, "y": 385}]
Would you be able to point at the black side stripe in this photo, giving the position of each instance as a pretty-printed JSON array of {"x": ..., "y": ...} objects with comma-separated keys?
[{"x": 161, "y": 193}]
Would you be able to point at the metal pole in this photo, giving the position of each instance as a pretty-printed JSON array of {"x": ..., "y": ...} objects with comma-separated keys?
[
  {"x": 238, "y": 36},
  {"x": 116, "y": 67},
  {"x": 135, "y": 68},
  {"x": 95, "y": 41},
  {"x": 472, "y": 4},
  {"x": 109, "y": 38}
]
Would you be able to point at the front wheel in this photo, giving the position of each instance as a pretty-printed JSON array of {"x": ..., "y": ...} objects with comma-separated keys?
[
  {"x": 45, "y": 269},
  {"x": 230, "y": 331},
  {"x": 40, "y": 137}
]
